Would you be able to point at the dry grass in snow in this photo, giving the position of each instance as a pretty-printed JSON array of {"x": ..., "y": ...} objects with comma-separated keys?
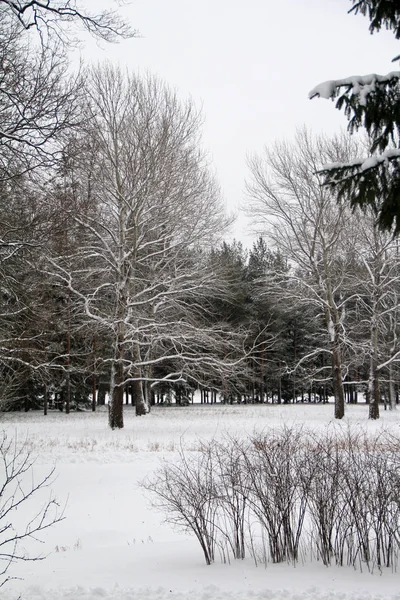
[{"x": 112, "y": 545}]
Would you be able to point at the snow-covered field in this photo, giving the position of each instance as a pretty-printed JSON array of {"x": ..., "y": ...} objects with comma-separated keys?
[{"x": 113, "y": 546}]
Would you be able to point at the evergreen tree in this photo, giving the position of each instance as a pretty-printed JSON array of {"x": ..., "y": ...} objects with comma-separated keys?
[
  {"x": 230, "y": 260},
  {"x": 371, "y": 102}
]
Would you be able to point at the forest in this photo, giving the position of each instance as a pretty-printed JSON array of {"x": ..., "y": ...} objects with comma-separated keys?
[{"x": 118, "y": 277}]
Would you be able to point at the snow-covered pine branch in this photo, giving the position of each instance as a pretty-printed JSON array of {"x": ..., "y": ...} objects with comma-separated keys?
[{"x": 371, "y": 102}]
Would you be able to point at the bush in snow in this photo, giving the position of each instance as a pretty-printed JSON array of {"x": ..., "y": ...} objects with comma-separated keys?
[{"x": 289, "y": 493}]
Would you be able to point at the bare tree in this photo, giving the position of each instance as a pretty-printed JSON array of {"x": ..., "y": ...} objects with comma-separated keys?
[
  {"x": 143, "y": 272},
  {"x": 55, "y": 17},
  {"x": 17, "y": 488},
  {"x": 38, "y": 101},
  {"x": 38, "y": 97},
  {"x": 300, "y": 217},
  {"x": 376, "y": 289}
]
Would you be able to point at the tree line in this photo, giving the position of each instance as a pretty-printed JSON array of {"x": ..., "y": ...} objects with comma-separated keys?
[{"x": 115, "y": 276}]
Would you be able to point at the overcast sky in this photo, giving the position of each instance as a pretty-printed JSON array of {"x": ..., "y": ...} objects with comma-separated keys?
[{"x": 250, "y": 64}]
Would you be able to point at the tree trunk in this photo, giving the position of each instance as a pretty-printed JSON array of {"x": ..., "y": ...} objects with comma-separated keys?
[
  {"x": 279, "y": 390},
  {"x": 45, "y": 399},
  {"x": 68, "y": 359},
  {"x": 374, "y": 393},
  {"x": 115, "y": 407},
  {"x": 373, "y": 382},
  {"x": 101, "y": 395},
  {"x": 149, "y": 395},
  {"x": 338, "y": 390},
  {"x": 93, "y": 392},
  {"x": 147, "y": 389},
  {"x": 138, "y": 398},
  {"x": 392, "y": 393}
]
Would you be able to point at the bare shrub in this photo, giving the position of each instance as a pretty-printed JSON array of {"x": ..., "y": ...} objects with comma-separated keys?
[
  {"x": 276, "y": 490},
  {"x": 324, "y": 467},
  {"x": 17, "y": 489},
  {"x": 384, "y": 512},
  {"x": 352, "y": 498},
  {"x": 335, "y": 495},
  {"x": 231, "y": 493},
  {"x": 370, "y": 484},
  {"x": 185, "y": 490}
]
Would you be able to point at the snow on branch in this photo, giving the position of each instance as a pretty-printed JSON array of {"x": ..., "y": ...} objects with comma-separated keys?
[
  {"x": 364, "y": 164},
  {"x": 361, "y": 85}
]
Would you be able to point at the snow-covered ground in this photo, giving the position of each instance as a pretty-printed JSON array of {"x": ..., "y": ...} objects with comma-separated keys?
[{"x": 113, "y": 546}]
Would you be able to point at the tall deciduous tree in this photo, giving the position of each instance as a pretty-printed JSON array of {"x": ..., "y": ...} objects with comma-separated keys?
[
  {"x": 301, "y": 219},
  {"x": 40, "y": 103},
  {"x": 376, "y": 286},
  {"x": 154, "y": 202}
]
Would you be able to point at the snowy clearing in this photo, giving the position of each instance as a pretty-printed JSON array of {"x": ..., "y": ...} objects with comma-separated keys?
[{"x": 111, "y": 545}]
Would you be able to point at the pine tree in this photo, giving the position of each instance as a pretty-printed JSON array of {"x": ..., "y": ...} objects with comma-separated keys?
[{"x": 371, "y": 102}]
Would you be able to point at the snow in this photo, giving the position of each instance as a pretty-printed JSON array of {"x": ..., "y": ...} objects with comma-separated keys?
[
  {"x": 364, "y": 164},
  {"x": 360, "y": 84},
  {"x": 112, "y": 545},
  {"x": 331, "y": 329}
]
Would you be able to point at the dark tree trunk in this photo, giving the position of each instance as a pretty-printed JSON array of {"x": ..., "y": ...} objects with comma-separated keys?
[
  {"x": 392, "y": 394},
  {"x": 68, "y": 365},
  {"x": 93, "y": 392},
  {"x": 116, "y": 418},
  {"x": 45, "y": 400},
  {"x": 373, "y": 383},
  {"x": 94, "y": 379},
  {"x": 337, "y": 382},
  {"x": 115, "y": 408},
  {"x": 101, "y": 396},
  {"x": 374, "y": 393}
]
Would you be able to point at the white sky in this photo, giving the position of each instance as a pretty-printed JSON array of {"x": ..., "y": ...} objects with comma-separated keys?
[{"x": 250, "y": 64}]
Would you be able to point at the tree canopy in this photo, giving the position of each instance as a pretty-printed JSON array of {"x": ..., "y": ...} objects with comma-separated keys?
[{"x": 53, "y": 17}]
